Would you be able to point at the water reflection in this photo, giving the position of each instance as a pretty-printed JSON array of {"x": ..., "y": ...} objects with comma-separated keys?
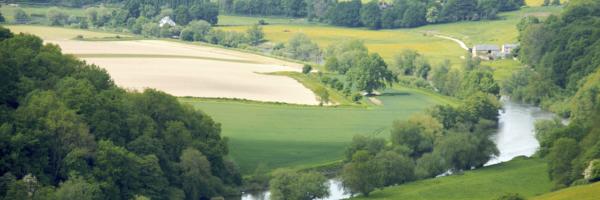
[
  {"x": 516, "y": 133},
  {"x": 336, "y": 191}
]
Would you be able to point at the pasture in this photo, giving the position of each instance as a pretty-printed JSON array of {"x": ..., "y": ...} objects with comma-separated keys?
[
  {"x": 301, "y": 136},
  {"x": 525, "y": 176},
  {"x": 582, "y": 192}
]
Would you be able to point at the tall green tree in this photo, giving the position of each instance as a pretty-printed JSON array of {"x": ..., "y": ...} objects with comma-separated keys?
[{"x": 370, "y": 74}]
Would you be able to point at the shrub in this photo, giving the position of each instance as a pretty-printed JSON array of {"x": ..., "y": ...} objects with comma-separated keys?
[{"x": 306, "y": 69}]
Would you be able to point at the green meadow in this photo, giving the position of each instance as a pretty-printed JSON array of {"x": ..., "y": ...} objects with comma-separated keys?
[
  {"x": 582, "y": 192},
  {"x": 526, "y": 176},
  {"x": 303, "y": 136}
]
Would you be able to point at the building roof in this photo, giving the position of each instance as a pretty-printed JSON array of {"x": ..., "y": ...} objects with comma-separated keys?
[
  {"x": 510, "y": 45},
  {"x": 486, "y": 47},
  {"x": 166, "y": 20}
]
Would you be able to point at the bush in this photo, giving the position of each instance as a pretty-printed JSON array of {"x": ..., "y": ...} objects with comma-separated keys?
[
  {"x": 356, "y": 97},
  {"x": 514, "y": 196},
  {"x": 306, "y": 69}
]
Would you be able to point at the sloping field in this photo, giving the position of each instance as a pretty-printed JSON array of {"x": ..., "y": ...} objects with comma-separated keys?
[
  {"x": 583, "y": 192},
  {"x": 186, "y": 70},
  {"x": 527, "y": 177}
]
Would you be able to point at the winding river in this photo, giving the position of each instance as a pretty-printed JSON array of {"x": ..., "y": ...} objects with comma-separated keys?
[{"x": 515, "y": 137}]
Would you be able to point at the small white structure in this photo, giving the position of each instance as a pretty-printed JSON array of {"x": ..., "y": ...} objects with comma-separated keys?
[
  {"x": 166, "y": 21},
  {"x": 507, "y": 49}
]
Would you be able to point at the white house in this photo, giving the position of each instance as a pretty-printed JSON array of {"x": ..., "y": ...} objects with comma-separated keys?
[
  {"x": 166, "y": 21},
  {"x": 486, "y": 51}
]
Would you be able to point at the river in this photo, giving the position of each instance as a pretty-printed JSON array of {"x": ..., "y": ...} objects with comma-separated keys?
[{"x": 515, "y": 137}]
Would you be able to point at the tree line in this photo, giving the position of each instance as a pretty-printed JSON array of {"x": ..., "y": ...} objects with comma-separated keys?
[
  {"x": 375, "y": 14},
  {"x": 563, "y": 52},
  {"x": 67, "y": 132}
]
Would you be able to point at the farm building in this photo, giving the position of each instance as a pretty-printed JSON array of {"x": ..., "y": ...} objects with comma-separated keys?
[
  {"x": 166, "y": 21},
  {"x": 486, "y": 51}
]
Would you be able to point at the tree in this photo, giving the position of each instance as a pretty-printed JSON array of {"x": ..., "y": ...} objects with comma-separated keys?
[
  {"x": 77, "y": 188},
  {"x": 395, "y": 168},
  {"x": 2, "y": 19},
  {"x": 21, "y": 17},
  {"x": 181, "y": 15},
  {"x": 512, "y": 196},
  {"x": 555, "y": 2},
  {"x": 56, "y": 17},
  {"x": 371, "y": 74},
  {"x": 303, "y": 48},
  {"x": 197, "y": 178},
  {"x": 562, "y": 152},
  {"x": 362, "y": 175},
  {"x": 322, "y": 94},
  {"x": 302, "y": 186},
  {"x": 306, "y": 69},
  {"x": 370, "y": 15},
  {"x": 255, "y": 34}
]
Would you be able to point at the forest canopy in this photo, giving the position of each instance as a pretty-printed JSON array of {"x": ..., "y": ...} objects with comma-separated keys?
[{"x": 65, "y": 127}]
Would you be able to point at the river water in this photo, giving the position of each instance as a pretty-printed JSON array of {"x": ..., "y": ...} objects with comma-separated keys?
[{"x": 515, "y": 137}]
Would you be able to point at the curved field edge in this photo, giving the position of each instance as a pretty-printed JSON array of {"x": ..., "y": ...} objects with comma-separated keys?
[
  {"x": 583, "y": 192},
  {"x": 525, "y": 176}
]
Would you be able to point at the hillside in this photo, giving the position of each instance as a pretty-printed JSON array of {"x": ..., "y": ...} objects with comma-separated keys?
[
  {"x": 526, "y": 176},
  {"x": 584, "y": 192}
]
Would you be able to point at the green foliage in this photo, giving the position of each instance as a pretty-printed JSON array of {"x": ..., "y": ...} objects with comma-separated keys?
[
  {"x": 561, "y": 154},
  {"x": 322, "y": 94},
  {"x": 56, "y": 17},
  {"x": 370, "y": 74},
  {"x": 512, "y": 196},
  {"x": 297, "y": 185},
  {"x": 255, "y": 34},
  {"x": 301, "y": 47},
  {"x": 306, "y": 69},
  {"x": 196, "y": 30},
  {"x": 362, "y": 175},
  {"x": 21, "y": 17},
  {"x": 61, "y": 116},
  {"x": 77, "y": 188},
  {"x": 370, "y": 15}
]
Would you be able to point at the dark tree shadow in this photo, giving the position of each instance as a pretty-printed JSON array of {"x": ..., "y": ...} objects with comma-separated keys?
[{"x": 392, "y": 94}]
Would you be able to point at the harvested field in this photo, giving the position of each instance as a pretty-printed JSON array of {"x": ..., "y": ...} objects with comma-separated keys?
[
  {"x": 183, "y": 69},
  {"x": 188, "y": 70}
]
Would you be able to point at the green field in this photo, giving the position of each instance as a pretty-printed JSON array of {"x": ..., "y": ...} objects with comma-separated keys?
[
  {"x": 9, "y": 11},
  {"x": 301, "y": 136},
  {"x": 525, "y": 176},
  {"x": 583, "y": 192},
  {"x": 59, "y": 33}
]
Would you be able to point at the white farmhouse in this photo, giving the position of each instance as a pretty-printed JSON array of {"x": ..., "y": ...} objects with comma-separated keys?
[{"x": 166, "y": 21}]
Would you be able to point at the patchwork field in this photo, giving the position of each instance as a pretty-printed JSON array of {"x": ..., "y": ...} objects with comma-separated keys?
[
  {"x": 527, "y": 177},
  {"x": 390, "y": 42},
  {"x": 186, "y": 70}
]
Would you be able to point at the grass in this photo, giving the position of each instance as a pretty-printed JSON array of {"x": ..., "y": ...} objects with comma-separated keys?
[
  {"x": 292, "y": 135},
  {"x": 583, "y": 192},
  {"x": 60, "y": 33},
  {"x": 9, "y": 11},
  {"x": 503, "y": 69},
  {"x": 525, "y": 176}
]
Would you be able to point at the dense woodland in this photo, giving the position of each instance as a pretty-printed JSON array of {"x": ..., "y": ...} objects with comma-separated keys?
[
  {"x": 66, "y": 130},
  {"x": 375, "y": 14},
  {"x": 564, "y": 54}
]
